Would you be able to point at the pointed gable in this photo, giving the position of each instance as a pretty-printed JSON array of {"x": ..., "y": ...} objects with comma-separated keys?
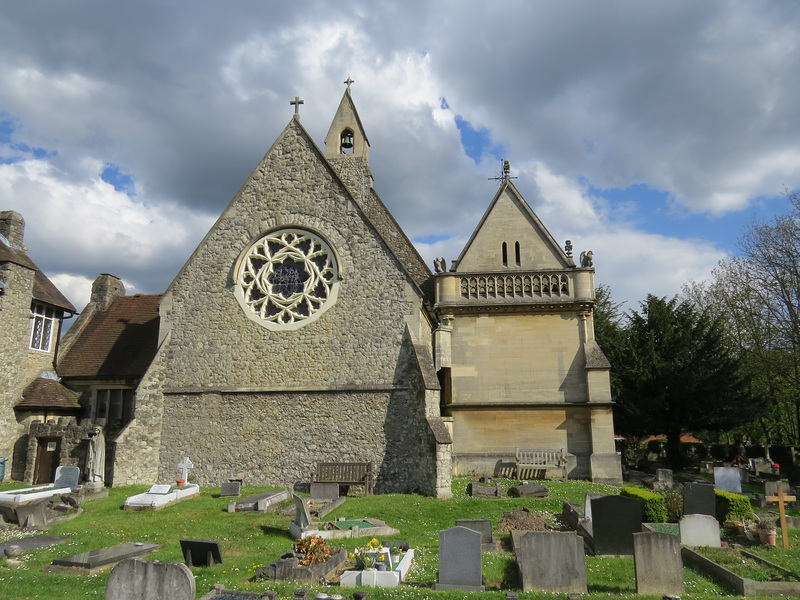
[
  {"x": 346, "y": 121},
  {"x": 510, "y": 236}
]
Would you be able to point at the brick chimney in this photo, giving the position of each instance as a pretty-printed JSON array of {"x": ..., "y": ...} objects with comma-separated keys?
[
  {"x": 105, "y": 288},
  {"x": 12, "y": 227}
]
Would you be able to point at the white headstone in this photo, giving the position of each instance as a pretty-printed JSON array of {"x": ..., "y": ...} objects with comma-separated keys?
[
  {"x": 67, "y": 477},
  {"x": 699, "y": 530},
  {"x": 160, "y": 489},
  {"x": 184, "y": 467}
]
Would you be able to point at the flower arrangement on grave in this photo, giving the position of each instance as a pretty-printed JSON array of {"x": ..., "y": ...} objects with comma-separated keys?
[
  {"x": 369, "y": 556},
  {"x": 314, "y": 550}
]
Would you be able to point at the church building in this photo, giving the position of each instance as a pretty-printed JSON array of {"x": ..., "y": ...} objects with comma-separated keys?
[{"x": 306, "y": 328}]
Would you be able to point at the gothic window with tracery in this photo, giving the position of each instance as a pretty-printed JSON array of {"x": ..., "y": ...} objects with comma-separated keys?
[{"x": 287, "y": 279}]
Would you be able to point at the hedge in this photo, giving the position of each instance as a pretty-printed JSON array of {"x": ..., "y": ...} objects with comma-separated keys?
[
  {"x": 654, "y": 506},
  {"x": 728, "y": 503}
]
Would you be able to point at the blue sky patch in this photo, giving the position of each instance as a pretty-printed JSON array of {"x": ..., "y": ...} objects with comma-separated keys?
[
  {"x": 477, "y": 142},
  {"x": 122, "y": 182},
  {"x": 430, "y": 239}
]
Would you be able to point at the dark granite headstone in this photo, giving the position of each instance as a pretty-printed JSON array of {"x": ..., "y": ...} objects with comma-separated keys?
[
  {"x": 200, "y": 553},
  {"x": 657, "y": 562},
  {"x": 699, "y": 499},
  {"x": 552, "y": 561},
  {"x": 460, "y": 560},
  {"x": 135, "y": 579},
  {"x": 106, "y": 556},
  {"x": 231, "y": 489},
  {"x": 614, "y": 521}
]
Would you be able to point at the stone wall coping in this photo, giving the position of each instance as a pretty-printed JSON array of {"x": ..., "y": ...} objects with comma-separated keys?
[
  {"x": 527, "y": 404},
  {"x": 343, "y": 389}
]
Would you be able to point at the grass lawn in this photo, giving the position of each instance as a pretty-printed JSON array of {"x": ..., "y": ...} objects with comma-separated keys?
[{"x": 251, "y": 540}]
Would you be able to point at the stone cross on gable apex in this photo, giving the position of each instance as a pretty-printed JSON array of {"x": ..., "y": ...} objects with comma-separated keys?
[
  {"x": 349, "y": 82},
  {"x": 184, "y": 467},
  {"x": 296, "y": 103}
]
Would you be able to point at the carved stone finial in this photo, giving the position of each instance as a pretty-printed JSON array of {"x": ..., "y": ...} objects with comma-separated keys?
[
  {"x": 586, "y": 258},
  {"x": 296, "y": 103},
  {"x": 568, "y": 248},
  {"x": 439, "y": 264}
]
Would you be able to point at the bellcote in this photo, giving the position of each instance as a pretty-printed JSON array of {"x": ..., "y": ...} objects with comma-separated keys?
[{"x": 346, "y": 136}]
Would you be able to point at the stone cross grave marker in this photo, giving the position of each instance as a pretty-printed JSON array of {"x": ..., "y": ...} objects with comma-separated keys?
[
  {"x": 135, "y": 578},
  {"x": 699, "y": 530},
  {"x": 781, "y": 500},
  {"x": 460, "y": 560},
  {"x": 699, "y": 499},
  {"x": 552, "y": 561},
  {"x": 728, "y": 479},
  {"x": 657, "y": 562},
  {"x": 67, "y": 477},
  {"x": 614, "y": 521},
  {"x": 184, "y": 467}
]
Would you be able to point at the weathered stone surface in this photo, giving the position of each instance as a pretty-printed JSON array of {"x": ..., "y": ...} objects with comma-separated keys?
[
  {"x": 529, "y": 490},
  {"x": 137, "y": 579},
  {"x": 459, "y": 560},
  {"x": 699, "y": 530},
  {"x": 552, "y": 561},
  {"x": 657, "y": 562}
]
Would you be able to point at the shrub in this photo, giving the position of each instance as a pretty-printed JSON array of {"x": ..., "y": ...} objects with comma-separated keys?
[
  {"x": 674, "y": 503},
  {"x": 729, "y": 503},
  {"x": 654, "y": 508}
]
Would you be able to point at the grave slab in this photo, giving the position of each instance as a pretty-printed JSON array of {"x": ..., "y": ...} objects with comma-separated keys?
[
  {"x": 552, "y": 561},
  {"x": 35, "y": 542},
  {"x": 261, "y": 502},
  {"x": 387, "y": 579},
  {"x": 148, "y": 501},
  {"x": 614, "y": 521},
  {"x": 657, "y": 563},
  {"x": 699, "y": 530},
  {"x": 699, "y": 499},
  {"x": 88, "y": 563},
  {"x": 137, "y": 579},
  {"x": 460, "y": 560}
]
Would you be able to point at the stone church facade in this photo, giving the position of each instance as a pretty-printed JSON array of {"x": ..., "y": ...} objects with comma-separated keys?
[{"x": 305, "y": 328}]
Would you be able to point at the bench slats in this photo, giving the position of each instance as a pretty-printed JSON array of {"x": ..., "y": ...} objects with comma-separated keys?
[
  {"x": 345, "y": 474},
  {"x": 540, "y": 459}
]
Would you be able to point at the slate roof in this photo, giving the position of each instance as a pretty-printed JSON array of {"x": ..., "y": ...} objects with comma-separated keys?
[
  {"x": 43, "y": 289},
  {"x": 48, "y": 394},
  {"x": 117, "y": 343}
]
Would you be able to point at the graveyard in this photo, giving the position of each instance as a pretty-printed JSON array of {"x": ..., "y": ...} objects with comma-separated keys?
[{"x": 436, "y": 532}]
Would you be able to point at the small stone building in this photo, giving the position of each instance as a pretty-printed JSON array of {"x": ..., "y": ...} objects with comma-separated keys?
[{"x": 305, "y": 327}]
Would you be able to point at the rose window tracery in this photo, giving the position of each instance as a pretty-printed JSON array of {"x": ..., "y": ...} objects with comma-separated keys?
[{"x": 287, "y": 279}]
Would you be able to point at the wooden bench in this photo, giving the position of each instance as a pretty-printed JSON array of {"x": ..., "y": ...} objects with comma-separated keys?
[
  {"x": 345, "y": 473},
  {"x": 530, "y": 460}
]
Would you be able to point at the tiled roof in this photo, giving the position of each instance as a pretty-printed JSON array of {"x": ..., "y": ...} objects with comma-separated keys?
[
  {"x": 119, "y": 342},
  {"x": 43, "y": 289},
  {"x": 48, "y": 394}
]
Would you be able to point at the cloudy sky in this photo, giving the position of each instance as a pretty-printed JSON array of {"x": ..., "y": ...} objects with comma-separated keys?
[{"x": 648, "y": 132}]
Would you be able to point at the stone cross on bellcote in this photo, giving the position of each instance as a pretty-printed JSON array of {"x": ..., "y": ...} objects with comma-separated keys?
[{"x": 296, "y": 103}]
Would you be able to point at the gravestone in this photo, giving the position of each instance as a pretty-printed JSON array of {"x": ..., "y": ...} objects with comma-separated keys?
[
  {"x": 302, "y": 518},
  {"x": 89, "y": 562},
  {"x": 771, "y": 488},
  {"x": 184, "y": 467},
  {"x": 699, "y": 499},
  {"x": 552, "y": 561},
  {"x": 657, "y": 562},
  {"x": 699, "y": 530},
  {"x": 529, "y": 490},
  {"x": 663, "y": 481},
  {"x": 138, "y": 579},
  {"x": 473, "y": 490},
  {"x": 159, "y": 489},
  {"x": 482, "y": 526},
  {"x": 67, "y": 477},
  {"x": 587, "y": 504},
  {"x": 614, "y": 521},
  {"x": 324, "y": 492},
  {"x": 260, "y": 502},
  {"x": 460, "y": 560},
  {"x": 32, "y": 514},
  {"x": 200, "y": 553},
  {"x": 728, "y": 479},
  {"x": 33, "y": 543},
  {"x": 231, "y": 489}
]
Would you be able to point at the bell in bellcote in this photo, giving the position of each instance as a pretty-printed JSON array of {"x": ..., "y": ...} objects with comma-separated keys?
[{"x": 347, "y": 140}]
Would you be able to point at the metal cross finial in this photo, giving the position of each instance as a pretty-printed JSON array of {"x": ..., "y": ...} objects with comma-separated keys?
[
  {"x": 296, "y": 103},
  {"x": 505, "y": 174},
  {"x": 349, "y": 81}
]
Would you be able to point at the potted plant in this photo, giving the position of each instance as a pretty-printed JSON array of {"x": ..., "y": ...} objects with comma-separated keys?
[{"x": 766, "y": 531}]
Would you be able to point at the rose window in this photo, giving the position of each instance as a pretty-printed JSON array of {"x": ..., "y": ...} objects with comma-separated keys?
[{"x": 287, "y": 279}]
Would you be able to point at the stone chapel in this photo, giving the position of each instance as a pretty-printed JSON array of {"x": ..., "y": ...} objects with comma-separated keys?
[{"x": 306, "y": 327}]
